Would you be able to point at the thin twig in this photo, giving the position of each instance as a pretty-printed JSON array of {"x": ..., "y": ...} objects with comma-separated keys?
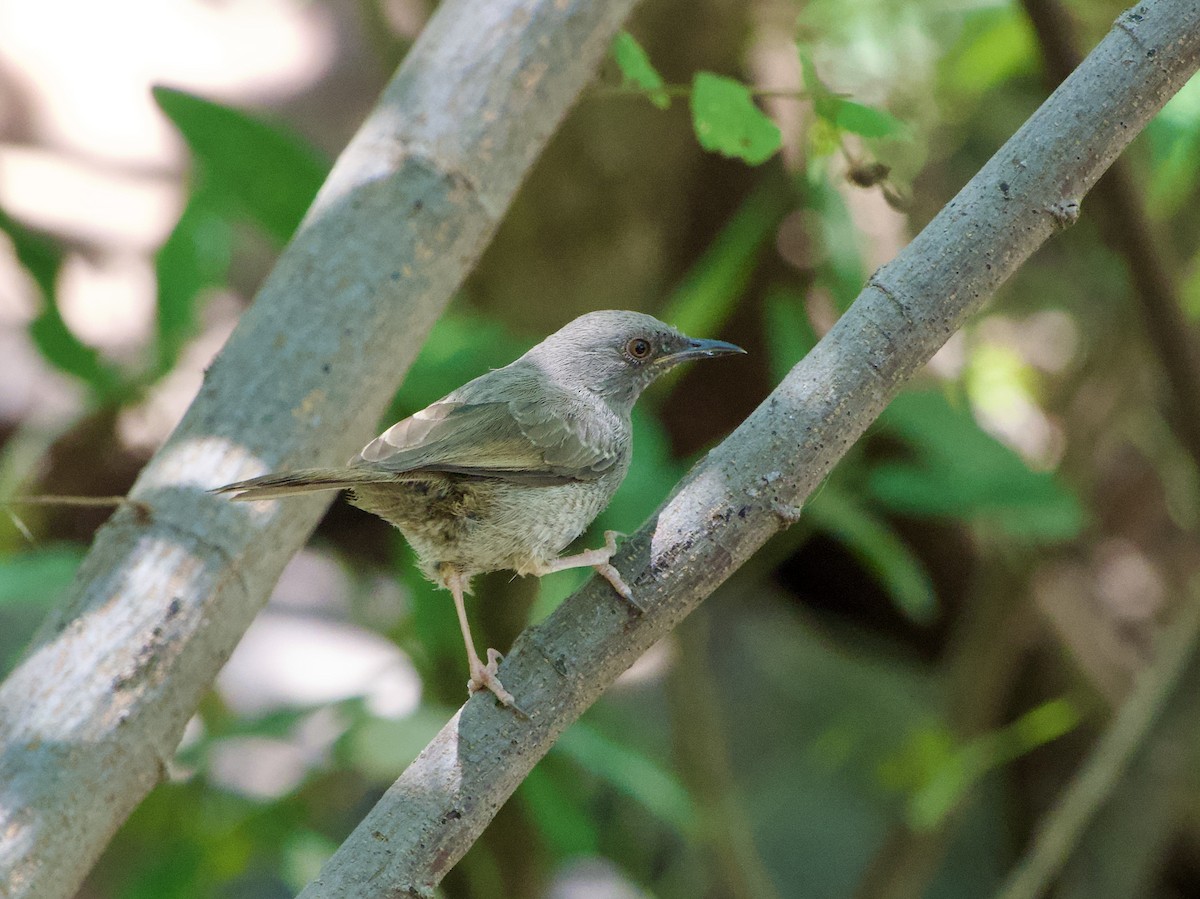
[
  {"x": 707, "y": 771},
  {"x": 686, "y": 91},
  {"x": 1063, "y": 826}
]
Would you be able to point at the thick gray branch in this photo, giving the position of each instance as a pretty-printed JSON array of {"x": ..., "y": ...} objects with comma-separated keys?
[
  {"x": 98, "y": 705},
  {"x": 752, "y": 485}
]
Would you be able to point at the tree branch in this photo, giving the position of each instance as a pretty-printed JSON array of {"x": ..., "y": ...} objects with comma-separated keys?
[
  {"x": 752, "y": 484},
  {"x": 97, "y": 706},
  {"x": 1128, "y": 231}
]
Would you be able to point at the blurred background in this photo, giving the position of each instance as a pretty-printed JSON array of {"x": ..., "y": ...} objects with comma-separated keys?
[{"x": 884, "y": 701}]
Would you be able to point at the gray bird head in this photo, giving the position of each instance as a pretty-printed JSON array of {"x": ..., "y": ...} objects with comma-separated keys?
[{"x": 617, "y": 354}]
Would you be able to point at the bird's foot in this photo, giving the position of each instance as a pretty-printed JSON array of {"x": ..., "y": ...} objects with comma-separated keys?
[
  {"x": 609, "y": 572},
  {"x": 599, "y": 560},
  {"x": 483, "y": 677}
]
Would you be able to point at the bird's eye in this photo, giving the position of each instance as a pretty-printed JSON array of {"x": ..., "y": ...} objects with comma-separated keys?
[{"x": 638, "y": 348}]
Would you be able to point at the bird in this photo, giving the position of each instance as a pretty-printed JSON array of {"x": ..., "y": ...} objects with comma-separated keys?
[{"x": 506, "y": 471}]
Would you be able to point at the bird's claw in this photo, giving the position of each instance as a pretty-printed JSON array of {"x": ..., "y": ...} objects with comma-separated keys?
[
  {"x": 483, "y": 677},
  {"x": 607, "y": 571}
]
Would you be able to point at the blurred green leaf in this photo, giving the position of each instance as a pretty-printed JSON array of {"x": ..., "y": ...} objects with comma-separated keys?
[
  {"x": 928, "y": 747},
  {"x": 631, "y": 773},
  {"x": 270, "y": 172},
  {"x": 813, "y": 84},
  {"x": 433, "y": 622},
  {"x": 460, "y": 347},
  {"x": 710, "y": 291},
  {"x": 563, "y": 824},
  {"x": 1190, "y": 290},
  {"x": 1048, "y": 722},
  {"x": 880, "y": 550},
  {"x": 380, "y": 748},
  {"x": 947, "y": 786},
  {"x": 997, "y": 44},
  {"x": 38, "y": 576},
  {"x": 818, "y": 713},
  {"x": 865, "y": 121},
  {"x": 59, "y": 346},
  {"x": 1174, "y": 139},
  {"x": 194, "y": 258},
  {"x": 303, "y": 855},
  {"x": 38, "y": 255},
  {"x": 788, "y": 331},
  {"x": 950, "y": 774},
  {"x": 727, "y": 121},
  {"x": 961, "y": 471},
  {"x": 637, "y": 71},
  {"x": 840, "y": 270},
  {"x": 842, "y": 114}
]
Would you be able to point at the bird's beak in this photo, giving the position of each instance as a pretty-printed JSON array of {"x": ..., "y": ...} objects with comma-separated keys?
[{"x": 701, "y": 349}]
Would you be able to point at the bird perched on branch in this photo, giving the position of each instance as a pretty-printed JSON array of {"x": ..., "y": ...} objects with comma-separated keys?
[{"x": 507, "y": 470}]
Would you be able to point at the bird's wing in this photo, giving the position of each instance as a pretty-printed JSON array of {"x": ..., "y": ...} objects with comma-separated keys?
[{"x": 549, "y": 439}]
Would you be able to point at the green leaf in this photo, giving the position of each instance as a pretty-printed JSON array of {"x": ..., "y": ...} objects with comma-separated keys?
[
  {"x": 866, "y": 121},
  {"x": 951, "y": 776},
  {"x": 998, "y": 44},
  {"x": 1189, "y": 290},
  {"x": 1041, "y": 725},
  {"x": 271, "y": 173},
  {"x": 637, "y": 70},
  {"x": 378, "y": 748},
  {"x": 726, "y": 120},
  {"x": 39, "y": 576},
  {"x": 808, "y": 72},
  {"x": 38, "y": 255},
  {"x": 845, "y": 115},
  {"x": 1174, "y": 140},
  {"x": 961, "y": 471},
  {"x": 877, "y": 546},
  {"x": 841, "y": 269},
  {"x": 459, "y": 347},
  {"x": 194, "y": 258},
  {"x": 567, "y": 828},
  {"x": 788, "y": 331},
  {"x": 68, "y": 353},
  {"x": 631, "y": 773},
  {"x": 711, "y": 289}
]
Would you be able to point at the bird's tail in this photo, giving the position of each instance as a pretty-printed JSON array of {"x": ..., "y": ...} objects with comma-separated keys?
[{"x": 305, "y": 480}]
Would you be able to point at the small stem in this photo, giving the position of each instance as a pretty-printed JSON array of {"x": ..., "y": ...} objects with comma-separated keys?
[{"x": 685, "y": 90}]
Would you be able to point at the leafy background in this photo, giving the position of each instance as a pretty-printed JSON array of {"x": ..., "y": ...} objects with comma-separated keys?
[{"x": 884, "y": 701}]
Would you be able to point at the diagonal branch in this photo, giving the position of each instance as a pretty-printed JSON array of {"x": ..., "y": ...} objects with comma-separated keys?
[
  {"x": 1129, "y": 232},
  {"x": 89, "y": 717},
  {"x": 751, "y": 485}
]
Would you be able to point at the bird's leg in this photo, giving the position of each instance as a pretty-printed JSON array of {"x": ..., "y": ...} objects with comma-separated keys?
[
  {"x": 483, "y": 677},
  {"x": 598, "y": 559}
]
